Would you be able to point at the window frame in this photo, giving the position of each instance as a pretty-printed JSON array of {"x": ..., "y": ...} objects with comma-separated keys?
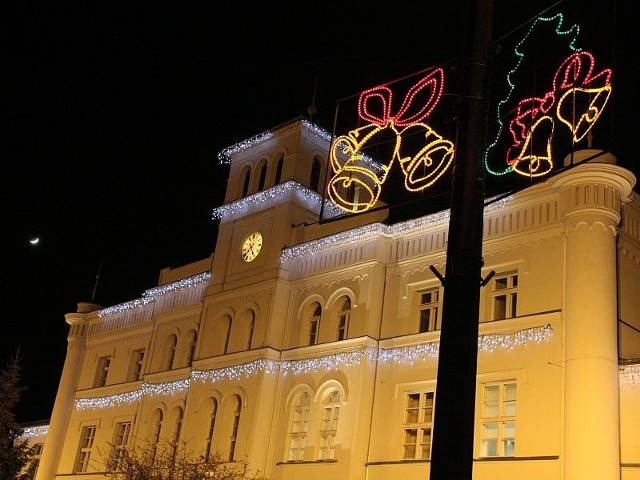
[
  {"x": 300, "y": 414},
  {"x": 503, "y": 420},
  {"x": 136, "y": 364},
  {"x": 314, "y": 325},
  {"x": 343, "y": 318},
  {"x": 235, "y": 426},
  {"x": 121, "y": 438},
  {"x": 212, "y": 428},
  {"x": 433, "y": 308},
  {"x": 424, "y": 412},
  {"x": 328, "y": 431},
  {"x": 85, "y": 447},
  {"x": 509, "y": 294},
  {"x": 170, "y": 347},
  {"x": 102, "y": 371}
]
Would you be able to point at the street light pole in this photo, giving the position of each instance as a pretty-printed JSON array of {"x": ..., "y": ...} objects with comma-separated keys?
[{"x": 452, "y": 449}]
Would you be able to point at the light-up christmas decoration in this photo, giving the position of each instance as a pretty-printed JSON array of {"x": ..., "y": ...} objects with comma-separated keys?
[
  {"x": 355, "y": 185},
  {"x": 150, "y": 295},
  {"x": 342, "y": 359},
  {"x": 273, "y": 196},
  {"x": 360, "y": 234},
  {"x": 576, "y": 99},
  {"x": 574, "y": 78},
  {"x": 224, "y": 156}
]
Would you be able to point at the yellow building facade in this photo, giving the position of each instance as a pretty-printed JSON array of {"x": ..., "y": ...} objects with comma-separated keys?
[{"x": 309, "y": 349}]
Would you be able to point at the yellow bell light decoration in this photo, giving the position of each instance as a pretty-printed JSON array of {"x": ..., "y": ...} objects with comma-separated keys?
[
  {"x": 582, "y": 88},
  {"x": 582, "y": 98},
  {"x": 357, "y": 179}
]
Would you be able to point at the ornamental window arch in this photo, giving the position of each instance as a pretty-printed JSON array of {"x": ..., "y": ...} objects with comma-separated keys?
[
  {"x": 317, "y": 173},
  {"x": 189, "y": 340},
  {"x": 209, "y": 343},
  {"x": 330, "y": 400},
  {"x": 262, "y": 167},
  {"x": 299, "y": 408},
  {"x": 245, "y": 180},
  {"x": 309, "y": 320},
  {"x": 168, "y": 352},
  {"x": 231, "y": 417},
  {"x": 155, "y": 426},
  {"x": 222, "y": 325},
  {"x": 278, "y": 168},
  {"x": 204, "y": 422},
  {"x": 244, "y": 327},
  {"x": 175, "y": 419},
  {"x": 340, "y": 307}
]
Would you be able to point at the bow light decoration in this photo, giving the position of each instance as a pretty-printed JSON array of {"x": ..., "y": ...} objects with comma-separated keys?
[{"x": 357, "y": 179}]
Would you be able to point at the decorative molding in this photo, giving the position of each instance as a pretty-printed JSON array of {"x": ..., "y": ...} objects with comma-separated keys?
[{"x": 322, "y": 363}]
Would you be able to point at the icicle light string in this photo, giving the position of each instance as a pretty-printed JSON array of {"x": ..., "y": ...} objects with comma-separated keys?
[
  {"x": 334, "y": 361},
  {"x": 224, "y": 156},
  {"x": 367, "y": 231},
  {"x": 150, "y": 295}
]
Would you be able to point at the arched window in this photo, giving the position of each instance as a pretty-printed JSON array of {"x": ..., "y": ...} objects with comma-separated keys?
[
  {"x": 177, "y": 428},
  {"x": 314, "y": 181},
  {"x": 192, "y": 339},
  {"x": 279, "y": 167},
  {"x": 250, "y": 327},
  {"x": 154, "y": 434},
  {"x": 221, "y": 334},
  {"x": 169, "y": 351},
  {"x": 234, "y": 427},
  {"x": 263, "y": 176},
  {"x": 246, "y": 182},
  {"x": 298, "y": 427},
  {"x": 343, "y": 318},
  {"x": 212, "y": 424},
  {"x": 329, "y": 426},
  {"x": 314, "y": 324}
]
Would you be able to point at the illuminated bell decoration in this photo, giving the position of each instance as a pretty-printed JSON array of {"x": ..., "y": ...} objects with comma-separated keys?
[
  {"x": 582, "y": 88},
  {"x": 357, "y": 182},
  {"x": 582, "y": 97}
]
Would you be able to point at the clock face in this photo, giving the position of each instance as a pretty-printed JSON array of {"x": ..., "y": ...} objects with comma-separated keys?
[{"x": 251, "y": 246}]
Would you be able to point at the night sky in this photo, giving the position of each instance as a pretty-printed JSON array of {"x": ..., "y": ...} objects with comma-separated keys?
[{"x": 112, "y": 117}]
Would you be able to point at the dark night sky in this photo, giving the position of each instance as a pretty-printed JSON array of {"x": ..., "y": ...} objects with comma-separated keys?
[{"x": 112, "y": 117}]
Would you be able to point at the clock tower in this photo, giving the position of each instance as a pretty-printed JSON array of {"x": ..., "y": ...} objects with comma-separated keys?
[{"x": 274, "y": 189}]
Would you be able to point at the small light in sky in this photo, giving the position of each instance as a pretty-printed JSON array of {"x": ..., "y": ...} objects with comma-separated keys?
[{"x": 34, "y": 241}]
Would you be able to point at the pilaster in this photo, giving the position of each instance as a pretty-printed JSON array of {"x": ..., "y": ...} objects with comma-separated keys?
[{"x": 591, "y": 194}]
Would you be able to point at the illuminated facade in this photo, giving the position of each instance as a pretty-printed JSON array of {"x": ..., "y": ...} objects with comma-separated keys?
[{"x": 309, "y": 349}]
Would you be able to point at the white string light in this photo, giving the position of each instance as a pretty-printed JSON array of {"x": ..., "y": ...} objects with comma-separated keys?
[
  {"x": 323, "y": 363},
  {"x": 224, "y": 156},
  {"x": 35, "y": 431},
  {"x": 274, "y": 196},
  {"x": 630, "y": 373},
  {"x": 151, "y": 294},
  {"x": 368, "y": 231}
]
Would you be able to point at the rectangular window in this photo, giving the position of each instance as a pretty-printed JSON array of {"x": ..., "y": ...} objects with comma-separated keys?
[
  {"x": 428, "y": 308},
  {"x": 505, "y": 296},
  {"x": 102, "y": 371},
  {"x": 418, "y": 425},
  {"x": 84, "y": 449},
  {"x": 135, "y": 365},
  {"x": 120, "y": 443},
  {"x": 498, "y": 420}
]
